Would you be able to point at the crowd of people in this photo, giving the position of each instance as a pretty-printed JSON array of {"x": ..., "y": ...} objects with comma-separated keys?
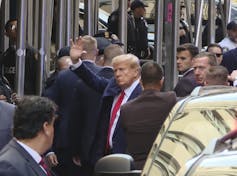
[{"x": 99, "y": 100}]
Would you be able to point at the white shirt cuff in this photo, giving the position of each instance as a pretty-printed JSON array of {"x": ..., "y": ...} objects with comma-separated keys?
[{"x": 75, "y": 66}]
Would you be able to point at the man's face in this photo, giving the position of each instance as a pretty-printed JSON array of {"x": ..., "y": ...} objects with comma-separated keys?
[
  {"x": 12, "y": 31},
  {"x": 184, "y": 61},
  {"x": 200, "y": 66},
  {"x": 233, "y": 35},
  {"x": 217, "y": 51},
  {"x": 124, "y": 74},
  {"x": 139, "y": 12}
]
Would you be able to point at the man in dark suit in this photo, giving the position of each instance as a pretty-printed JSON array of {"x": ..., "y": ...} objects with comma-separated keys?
[
  {"x": 33, "y": 133},
  {"x": 142, "y": 117},
  {"x": 6, "y": 118},
  {"x": 61, "y": 92},
  {"x": 230, "y": 60},
  {"x": 187, "y": 82},
  {"x": 109, "y": 138},
  {"x": 85, "y": 112}
]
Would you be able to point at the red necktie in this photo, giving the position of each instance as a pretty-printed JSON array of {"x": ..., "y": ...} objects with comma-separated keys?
[
  {"x": 45, "y": 166},
  {"x": 113, "y": 116}
]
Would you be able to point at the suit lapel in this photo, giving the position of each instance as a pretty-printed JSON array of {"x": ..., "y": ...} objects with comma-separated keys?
[{"x": 29, "y": 160}]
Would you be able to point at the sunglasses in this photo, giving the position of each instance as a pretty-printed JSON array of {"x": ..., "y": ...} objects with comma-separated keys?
[{"x": 218, "y": 54}]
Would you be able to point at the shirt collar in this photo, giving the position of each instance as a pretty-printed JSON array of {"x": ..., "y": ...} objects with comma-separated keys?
[
  {"x": 128, "y": 91},
  {"x": 35, "y": 155}
]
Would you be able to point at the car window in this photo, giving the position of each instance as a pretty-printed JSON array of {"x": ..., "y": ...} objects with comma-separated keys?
[{"x": 186, "y": 137}]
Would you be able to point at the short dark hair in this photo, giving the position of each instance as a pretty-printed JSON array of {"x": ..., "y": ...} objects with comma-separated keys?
[
  {"x": 211, "y": 57},
  {"x": 151, "y": 72},
  {"x": 30, "y": 115},
  {"x": 8, "y": 24},
  {"x": 214, "y": 45},
  {"x": 188, "y": 47},
  {"x": 232, "y": 25}
]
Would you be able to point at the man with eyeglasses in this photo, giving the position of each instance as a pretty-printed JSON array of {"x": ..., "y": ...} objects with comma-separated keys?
[{"x": 217, "y": 50}]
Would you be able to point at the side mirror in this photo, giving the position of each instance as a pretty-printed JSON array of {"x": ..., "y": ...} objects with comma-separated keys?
[{"x": 116, "y": 164}]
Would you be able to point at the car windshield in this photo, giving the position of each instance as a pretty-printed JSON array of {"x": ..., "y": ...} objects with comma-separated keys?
[{"x": 185, "y": 135}]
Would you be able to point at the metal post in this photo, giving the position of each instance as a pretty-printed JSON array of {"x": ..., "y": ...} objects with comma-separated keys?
[
  {"x": 42, "y": 45},
  {"x": 50, "y": 8},
  {"x": 211, "y": 21},
  {"x": 29, "y": 28},
  {"x": 123, "y": 23},
  {"x": 4, "y": 13},
  {"x": 69, "y": 22},
  {"x": 60, "y": 37},
  {"x": 198, "y": 23},
  {"x": 75, "y": 19},
  {"x": 227, "y": 10},
  {"x": 171, "y": 39},
  {"x": 89, "y": 17},
  {"x": 96, "y": 14},
  {"x": 35, "y": 23},
  {"x": 21, "y": 48},
  {"x": 159, "y": 31}
]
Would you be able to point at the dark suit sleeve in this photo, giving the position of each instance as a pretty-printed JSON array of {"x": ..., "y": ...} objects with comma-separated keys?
[
  {"x": 184, "y": 87},
  {"x": 91, "y": 79}
]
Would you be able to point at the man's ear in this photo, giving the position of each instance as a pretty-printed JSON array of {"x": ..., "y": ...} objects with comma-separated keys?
[
  {"x": 162, "y": 81},
  {"x": 46, "y": 130}
]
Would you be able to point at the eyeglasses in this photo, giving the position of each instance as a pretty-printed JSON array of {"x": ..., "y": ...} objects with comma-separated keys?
[{"x": 218, "y": 54}]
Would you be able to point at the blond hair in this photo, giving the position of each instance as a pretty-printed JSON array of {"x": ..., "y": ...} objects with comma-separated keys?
[
  {"x": 89, "y": 43},
  {"x": 131, "y": 59}
]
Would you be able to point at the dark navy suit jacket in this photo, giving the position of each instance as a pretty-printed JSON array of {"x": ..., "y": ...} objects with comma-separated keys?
[
  {"x": 84, "y": 117},
  {"x": 186, "y": 84},
  {"x": 230, "y": 60},
  {"x": 61, "y": 92},
  {"x": 110, "y": 89}
]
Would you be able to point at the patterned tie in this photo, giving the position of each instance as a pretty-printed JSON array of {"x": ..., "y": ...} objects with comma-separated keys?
[
  {"x": 113, "y": 116},
  {"x": 45, "y": 166}
]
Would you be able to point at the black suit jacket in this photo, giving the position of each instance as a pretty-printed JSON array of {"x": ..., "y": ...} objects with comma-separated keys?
[
  {"x": 186, "y": 84},
  {"x": 16, "y": 161},
  {"x": 141, "y": 119}
]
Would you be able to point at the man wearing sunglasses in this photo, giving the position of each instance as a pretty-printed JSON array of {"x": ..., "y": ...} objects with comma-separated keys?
[{"x": 216, "y": 49}]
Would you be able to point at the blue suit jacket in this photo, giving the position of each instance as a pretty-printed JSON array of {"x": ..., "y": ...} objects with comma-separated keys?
[{"x": 110, "y": 89}]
